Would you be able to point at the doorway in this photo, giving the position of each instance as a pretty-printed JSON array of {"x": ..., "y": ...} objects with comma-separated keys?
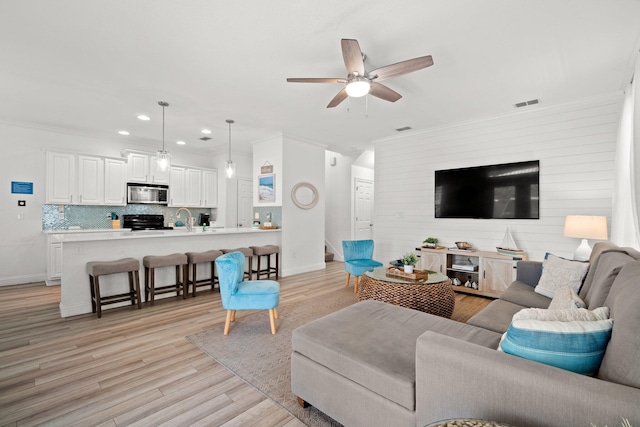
[
  {"x": 244, "y": 212},
  {"x": 363, "y": 192}
]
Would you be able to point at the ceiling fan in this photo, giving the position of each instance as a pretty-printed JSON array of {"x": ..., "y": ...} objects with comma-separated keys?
[{"x": 360, "y": 82}]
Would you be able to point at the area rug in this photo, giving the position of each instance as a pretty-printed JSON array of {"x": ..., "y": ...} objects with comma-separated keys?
[{"x": 263, "y": 360}]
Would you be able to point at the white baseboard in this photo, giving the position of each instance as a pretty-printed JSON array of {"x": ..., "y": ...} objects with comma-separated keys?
[
  {"x": 22, "y": 280},
  {"x": 303, "y": 269}
]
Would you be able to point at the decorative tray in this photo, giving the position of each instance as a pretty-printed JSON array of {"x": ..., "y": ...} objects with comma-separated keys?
[
  {"x": 268, "y": 227},
  {"x": 416, "y": 275}
]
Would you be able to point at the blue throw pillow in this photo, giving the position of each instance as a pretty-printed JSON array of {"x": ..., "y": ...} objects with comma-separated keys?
[{"x": 576, "y": 346}]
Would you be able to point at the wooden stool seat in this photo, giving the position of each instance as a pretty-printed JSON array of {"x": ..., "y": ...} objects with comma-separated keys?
[
  {"x": 95, "y": 269},
  {"x": 248, "y": 254},
  {"x": 194, "y": 258},
  {"x": 267, "y": 251},
  {"x": 151, "y": 262}
]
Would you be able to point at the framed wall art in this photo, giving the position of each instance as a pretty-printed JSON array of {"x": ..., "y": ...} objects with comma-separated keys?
[{"x": 267, "y": 188}]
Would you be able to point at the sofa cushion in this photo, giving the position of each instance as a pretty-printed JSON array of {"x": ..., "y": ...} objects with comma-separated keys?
[
  {"x": 374, "y": 344},
  {"x": 558, "y": 272},
  {"x": 604, "y": 271},
  {"x": 620, "y": 363},
  {"x": 496, "y": 316},
  {"x": 522, "y": 294},
  {"x": 576, "y": 346},
  {"x": 564, "y": 315},
  {"x": 566, "y": 298}
]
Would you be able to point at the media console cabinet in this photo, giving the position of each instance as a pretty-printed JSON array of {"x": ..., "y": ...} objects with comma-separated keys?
[{"x": 491, "y": 271}]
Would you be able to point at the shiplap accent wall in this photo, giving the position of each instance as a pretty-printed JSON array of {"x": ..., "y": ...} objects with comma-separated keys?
[{"x": 575, "y": 144}]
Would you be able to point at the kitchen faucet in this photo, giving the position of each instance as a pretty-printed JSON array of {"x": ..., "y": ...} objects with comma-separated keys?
[{"x": 189, "y": 220}]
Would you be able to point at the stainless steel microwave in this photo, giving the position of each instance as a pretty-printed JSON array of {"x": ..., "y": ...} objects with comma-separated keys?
[{"x": 147, "y": 193}]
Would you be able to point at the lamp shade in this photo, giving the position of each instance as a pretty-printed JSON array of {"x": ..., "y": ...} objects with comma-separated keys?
[{"x": 586, "y": 227}]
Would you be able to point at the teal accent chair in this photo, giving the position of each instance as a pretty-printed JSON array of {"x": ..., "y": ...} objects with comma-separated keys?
[
  {"x": 247, "y": 295},
  {"x": 358, "y": 256}
]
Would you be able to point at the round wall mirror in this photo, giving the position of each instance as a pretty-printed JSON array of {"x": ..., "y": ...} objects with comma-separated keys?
[{"x": 304, "y": 195}]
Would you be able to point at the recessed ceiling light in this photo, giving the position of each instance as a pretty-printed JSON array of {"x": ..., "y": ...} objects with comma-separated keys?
[
  {"x": 143, "y": 117},
  {"x": 180, "y": 142},
  {"x": 206, "y": 131},
  {"x": 123, "y": 132}
]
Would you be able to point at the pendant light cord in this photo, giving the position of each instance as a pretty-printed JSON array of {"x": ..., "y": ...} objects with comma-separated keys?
[{"x": 230, "y": 122}]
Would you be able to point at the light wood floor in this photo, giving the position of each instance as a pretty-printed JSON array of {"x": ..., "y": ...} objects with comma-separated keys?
[{"x": 131, "y": 367}]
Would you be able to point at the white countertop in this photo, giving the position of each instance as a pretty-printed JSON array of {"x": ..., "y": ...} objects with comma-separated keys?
[{"x": 126, "y": 234}]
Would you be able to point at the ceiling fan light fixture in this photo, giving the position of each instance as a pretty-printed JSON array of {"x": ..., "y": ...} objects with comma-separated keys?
[
  {"x": 358, "y": 87},
  {"x": 163, "y": 157}
]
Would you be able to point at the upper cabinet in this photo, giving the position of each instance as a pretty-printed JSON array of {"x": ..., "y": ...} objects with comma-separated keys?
[
  {"x": 61, "y": 178},
  {"x": 210, "y": 188},
  {"x": 193, "y": 187},
  {"x": 85, "y": 180},
  {"x": 143, "y": 168}
]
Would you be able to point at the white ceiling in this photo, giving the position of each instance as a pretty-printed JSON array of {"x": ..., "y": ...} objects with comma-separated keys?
[{"x": 92, "y": 66}]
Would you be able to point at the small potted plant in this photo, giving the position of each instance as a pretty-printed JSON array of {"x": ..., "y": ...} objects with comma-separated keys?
[
  {"x": 409, "y": 261},
  {"x": 430, "y": 242}
]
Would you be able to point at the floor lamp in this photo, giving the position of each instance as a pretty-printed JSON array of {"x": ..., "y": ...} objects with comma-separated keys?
[{"x": 585, "y": 227}]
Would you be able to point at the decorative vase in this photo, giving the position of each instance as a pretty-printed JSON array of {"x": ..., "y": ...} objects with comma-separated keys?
[{"x": 408, "y": 268}]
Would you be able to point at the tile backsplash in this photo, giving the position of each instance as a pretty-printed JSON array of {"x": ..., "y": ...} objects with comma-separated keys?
[
  {"x": 96, "y": 217},
  {"x": 276, "y": 214}
]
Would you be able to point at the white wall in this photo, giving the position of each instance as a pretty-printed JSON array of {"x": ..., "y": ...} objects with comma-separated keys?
[
  {"x": 303, "y": 230},
  {"x": 340, "y": 203},
  {"x": 575, "y": 144},
  {"x": 22, "y": 148}
]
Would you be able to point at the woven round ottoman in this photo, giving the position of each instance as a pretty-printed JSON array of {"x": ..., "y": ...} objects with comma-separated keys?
[{"x": 433, "y": 295}]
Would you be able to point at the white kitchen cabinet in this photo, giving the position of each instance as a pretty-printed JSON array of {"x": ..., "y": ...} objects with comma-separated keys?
[
  {"x": 157, "y": 176},
  {"x": 54, "y": 263},
  {"x": 210, "y": 188},
  {"x": 138, "y": 167},
  {"x": 115, "y": 182},
  {"x": 90, "y": 180},
  {"x": 61, "y": 182},
  {"x": 177, "y": 186},
  {"x": 193, "y": 188},
  {"x": 143, "y": 168}
]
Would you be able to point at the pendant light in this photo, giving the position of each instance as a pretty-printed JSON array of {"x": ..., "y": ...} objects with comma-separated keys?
[
  {"x": 164, "y": 158},
  {"x": 230, "y": 167}
]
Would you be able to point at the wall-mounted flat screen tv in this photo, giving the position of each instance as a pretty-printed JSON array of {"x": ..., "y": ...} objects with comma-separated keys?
[{"x": 504, "y": 191}]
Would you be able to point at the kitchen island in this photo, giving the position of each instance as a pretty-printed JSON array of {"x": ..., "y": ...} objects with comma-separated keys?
[{"x": 83, "y": 247}]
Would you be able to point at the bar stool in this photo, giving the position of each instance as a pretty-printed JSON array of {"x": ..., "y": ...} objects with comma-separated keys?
[
  {"x": 248, "y": 254},
  {"x": 267, "y": 251},
  {"x": 151, "y": 262},
  {"x": 193, "y": 258},
  {"x": 102, "y": 268}
]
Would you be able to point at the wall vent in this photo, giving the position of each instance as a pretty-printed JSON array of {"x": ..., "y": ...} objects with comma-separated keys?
[
  {"x": 402, "y": 129},
  {"x": 205, "y": 138},
  {"x": 525, "y": 103}
]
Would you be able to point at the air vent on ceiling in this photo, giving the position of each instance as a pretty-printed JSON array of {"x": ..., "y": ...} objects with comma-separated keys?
[
  {"x": 402, "y": 129},
  {"x": 525, "y": 103},
  {"x": 205, "y": 138}
]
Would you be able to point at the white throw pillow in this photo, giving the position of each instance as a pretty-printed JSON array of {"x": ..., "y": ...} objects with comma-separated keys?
[
  {"x": 559, "y": 272},
  {"x": 567, "y": 315},
  {"x": 566, "y": 298}
]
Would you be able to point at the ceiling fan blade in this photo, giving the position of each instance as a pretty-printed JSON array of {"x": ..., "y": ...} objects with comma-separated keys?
[
  {"x": 316, "y": 80},
  {"x": 383, "y": 92},
  {"x": 401, "y": 68},
  {"x": 341, "y": 96},
  {"x": 352, "y": 57}
]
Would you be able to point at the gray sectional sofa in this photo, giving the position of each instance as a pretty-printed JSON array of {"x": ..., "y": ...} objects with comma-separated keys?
[{"x": 376, "y": 364}]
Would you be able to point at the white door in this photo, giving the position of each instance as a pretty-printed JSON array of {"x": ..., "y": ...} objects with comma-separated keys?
[
  {"x": 245, "y": 203},
  {"x": 363, "y": 209}
]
